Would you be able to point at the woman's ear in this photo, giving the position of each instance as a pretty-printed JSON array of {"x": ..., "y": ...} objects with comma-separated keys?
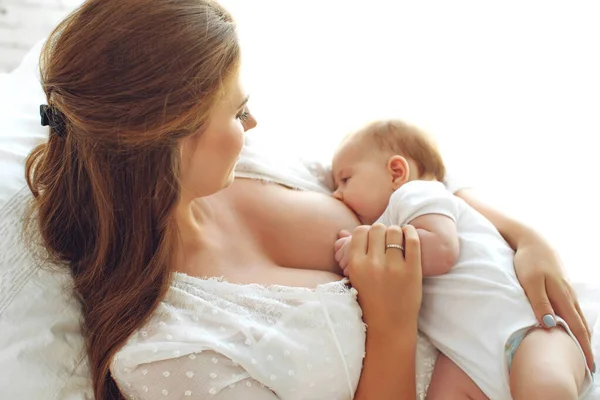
[{"x": 399, "y": 170}]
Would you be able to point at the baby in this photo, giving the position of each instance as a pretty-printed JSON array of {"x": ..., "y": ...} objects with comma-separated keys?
[{"x": 473, "y": 310}]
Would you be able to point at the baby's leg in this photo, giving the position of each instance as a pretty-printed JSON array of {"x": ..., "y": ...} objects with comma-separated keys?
[
  {"x": 547, "y": 365},
  {"x": 449, "y": 382}
]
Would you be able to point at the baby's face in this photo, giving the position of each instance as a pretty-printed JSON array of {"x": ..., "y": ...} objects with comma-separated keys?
[{"x": 362, "y": 180}]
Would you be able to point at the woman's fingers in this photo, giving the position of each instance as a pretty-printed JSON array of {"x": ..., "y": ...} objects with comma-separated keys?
[
  {"x": 582, "y": 316},
  {"x": 536, "y": 292},
  {"x": 567, "y": 308},
  {"x": 376, "y": 246},
  {"x": 393, "y": 255},
  {"x": 389, "y": 288},
  {"x": 573, "y": 296},
  {"x": 542, "y": 308},
  {"x": 358, "y": 244},
  {"x": 549, "y": 296},
  {"x": 586, "y": 338},
  {"x": 412, "y": 248},
  {"x": 573, "y": 319}
]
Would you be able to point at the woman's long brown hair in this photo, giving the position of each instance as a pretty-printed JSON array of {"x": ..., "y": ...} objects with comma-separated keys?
[{"x": 132, "y": 78}]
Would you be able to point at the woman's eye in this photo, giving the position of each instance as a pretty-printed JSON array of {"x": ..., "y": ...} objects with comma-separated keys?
[
  {"x": 243, "y": 115},
  {"x": 345, "y": 180}
]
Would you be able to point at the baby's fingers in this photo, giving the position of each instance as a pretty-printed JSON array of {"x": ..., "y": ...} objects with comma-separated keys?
[
  {"x": 344, "y": 233},
  {"x": 338, "y": 256},
  {"x": 344, "y": 260},
  {"x": 339, "y": 244}
]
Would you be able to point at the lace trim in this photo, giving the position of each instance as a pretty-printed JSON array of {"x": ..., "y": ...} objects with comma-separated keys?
[
  {"x": 242, "y": 174},
  {"x": 341, "y": 287},
  {"x": 426, "y": 358}
]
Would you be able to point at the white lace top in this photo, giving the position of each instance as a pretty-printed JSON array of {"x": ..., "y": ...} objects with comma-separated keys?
[{"x": 214, "y": 339}]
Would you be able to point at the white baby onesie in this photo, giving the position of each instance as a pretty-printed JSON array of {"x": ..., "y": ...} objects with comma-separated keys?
[{"x": 470, "y": 312}]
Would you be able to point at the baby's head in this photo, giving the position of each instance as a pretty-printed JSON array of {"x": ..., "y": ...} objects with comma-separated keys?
[{"x": 371, "y": 163}]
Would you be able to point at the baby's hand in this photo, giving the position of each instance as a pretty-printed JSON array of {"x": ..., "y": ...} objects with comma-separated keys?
[{"x": 342, "y": 247}]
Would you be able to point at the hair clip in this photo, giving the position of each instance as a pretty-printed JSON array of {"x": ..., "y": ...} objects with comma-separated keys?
[{"x": 54, "y": 119}]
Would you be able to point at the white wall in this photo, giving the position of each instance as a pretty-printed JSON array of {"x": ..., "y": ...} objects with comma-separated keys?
[
  {"x": 24, "y": 22},
  {"x": 510, "y": 88}
]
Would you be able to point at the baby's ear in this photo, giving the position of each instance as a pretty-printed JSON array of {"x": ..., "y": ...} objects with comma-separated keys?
[{"x": 399, "y": 170}]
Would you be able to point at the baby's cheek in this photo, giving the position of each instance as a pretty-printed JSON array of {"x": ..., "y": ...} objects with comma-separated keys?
[{"x": 359, "y": 204}]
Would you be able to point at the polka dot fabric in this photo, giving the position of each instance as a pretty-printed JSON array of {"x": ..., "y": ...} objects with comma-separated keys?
[
  {"x": 214, "y": 339},
  {"x": 211, "y": 338}
]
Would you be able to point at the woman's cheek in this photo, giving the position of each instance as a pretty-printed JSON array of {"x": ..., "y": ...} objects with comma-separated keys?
[{"x": 234, "y": 139}]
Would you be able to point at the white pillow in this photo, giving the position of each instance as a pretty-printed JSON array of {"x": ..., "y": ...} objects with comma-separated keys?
[
  {"x": 20, "y": 130},
  {"x": 41, "y": 348}
]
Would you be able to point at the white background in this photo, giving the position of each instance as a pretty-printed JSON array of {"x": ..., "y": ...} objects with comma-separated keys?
[{"x": 511, "y": 89}]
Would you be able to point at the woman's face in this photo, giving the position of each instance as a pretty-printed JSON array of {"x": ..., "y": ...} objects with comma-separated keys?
[{"x": 209, "y": 158}]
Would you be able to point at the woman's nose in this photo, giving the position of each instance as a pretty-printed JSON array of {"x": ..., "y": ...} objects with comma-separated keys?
[{"x": 250, "y": 123}]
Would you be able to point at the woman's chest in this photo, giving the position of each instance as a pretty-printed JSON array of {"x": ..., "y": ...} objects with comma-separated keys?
[
  {"x": 316, "y": 356},
  {"x": 301, "y": 344},
  {"x": 295, "y": 229},
  {"x": 272, "y": 235}
]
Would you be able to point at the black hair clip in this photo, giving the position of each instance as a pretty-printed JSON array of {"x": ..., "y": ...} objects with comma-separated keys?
[{"x": 53, "y": 118}]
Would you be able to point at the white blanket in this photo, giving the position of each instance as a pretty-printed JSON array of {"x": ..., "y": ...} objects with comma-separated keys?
[{"x": 258, "y": 161}]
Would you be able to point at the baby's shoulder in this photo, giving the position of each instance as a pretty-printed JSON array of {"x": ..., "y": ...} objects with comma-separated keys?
[{"x": 419, "y": 191}]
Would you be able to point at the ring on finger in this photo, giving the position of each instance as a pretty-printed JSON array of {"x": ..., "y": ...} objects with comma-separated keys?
[{"x": 394, "y": 246}]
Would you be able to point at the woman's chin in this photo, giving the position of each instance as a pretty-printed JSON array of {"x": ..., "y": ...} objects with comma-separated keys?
[{"x": 229, "y": 180}]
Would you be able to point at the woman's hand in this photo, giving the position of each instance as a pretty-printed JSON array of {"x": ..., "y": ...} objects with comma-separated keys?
[
  {"x": 388, "y": 280},
  {"x": 389, "y": 292},
  {"x": 541, "y": 274}
]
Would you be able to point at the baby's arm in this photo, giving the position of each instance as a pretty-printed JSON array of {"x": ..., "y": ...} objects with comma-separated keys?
[
  {"x": 439, "y": 243},
  {"x": 430, "y": 208}
]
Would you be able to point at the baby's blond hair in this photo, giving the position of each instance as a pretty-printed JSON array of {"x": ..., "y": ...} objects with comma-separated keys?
[{"x": 398, "y": 137}]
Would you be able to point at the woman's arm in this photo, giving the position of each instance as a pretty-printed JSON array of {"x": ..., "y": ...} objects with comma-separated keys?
[
  {"x": 389, "y": 366},
  {"x": 389, "y": 292},
  {"x": 540, "y": 272}
]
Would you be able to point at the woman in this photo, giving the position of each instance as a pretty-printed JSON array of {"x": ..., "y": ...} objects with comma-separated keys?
[{"x": 134, "y": 191}]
